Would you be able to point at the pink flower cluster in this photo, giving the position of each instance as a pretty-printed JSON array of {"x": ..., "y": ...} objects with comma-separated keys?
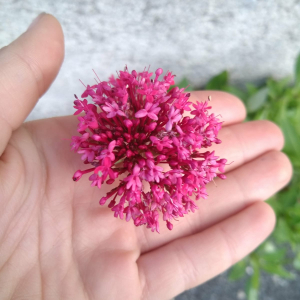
[{"x": 134, "y": 134}]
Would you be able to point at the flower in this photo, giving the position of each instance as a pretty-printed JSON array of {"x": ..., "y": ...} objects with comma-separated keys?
[
  {"x": 150, "y": 110},
  {"x": 134, "y": 181},
  {"x": 112, "y": 109},
  {"x": 174, "y": 116},
  {"x": 108, "y": 152},
  {"x": 160, "y": 144},
  {"x": 78, "y": 140},
  {"x": 133, "y": 127}
]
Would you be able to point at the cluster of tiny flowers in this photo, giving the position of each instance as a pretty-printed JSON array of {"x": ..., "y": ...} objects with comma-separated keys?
[{"x": 135, "y": 135}]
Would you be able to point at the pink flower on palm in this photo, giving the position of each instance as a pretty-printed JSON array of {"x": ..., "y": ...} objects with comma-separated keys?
[{"x": 135, "y": 124}]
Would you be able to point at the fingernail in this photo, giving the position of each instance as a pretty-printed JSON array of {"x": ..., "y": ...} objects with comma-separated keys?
[{"x": 36, "y": 20}]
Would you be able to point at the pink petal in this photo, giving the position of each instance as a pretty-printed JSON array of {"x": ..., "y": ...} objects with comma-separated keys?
[
  {"x": 149, "y": 98},
  {"x": 156, "y": 110},
  {"x": 111, "y": 114},
  {"x": 130, "y": 182},
  {"x": 169, "y": 126},
  {"x": 106, "y": 108},
  {"x": 136, "y": 169},
  {"x": 115, "y": 105},
  {"x": 111, "y": 146},
  {"x": 141, "y": 113},
  {"x": 177, "y": 118},
  {"x": 171, "y": 112},
  {"x": 128, "y": 215},
  {"x": 138, "y": 183},
  {"x": 152, "y": 116},
  {"x": 148, "y": 106},
  {"x": 153, "y": 139},
  {"x": 120, "y": 113}
]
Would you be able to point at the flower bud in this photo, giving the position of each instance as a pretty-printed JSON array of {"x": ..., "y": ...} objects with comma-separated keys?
[
  {"x": 96, "y": 137},
  {"x": 103, "y": 200},
  {"x": 134, "y": 73},
  {"x": 149, "y": 154},
  {"x": 159, "y": 71},
  {"x": 128, "y": 124},
  {"x": 169, "y": 225},
  {"x": 78, "y": 174}
]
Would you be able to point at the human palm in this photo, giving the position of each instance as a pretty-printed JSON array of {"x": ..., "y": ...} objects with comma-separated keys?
[{"x": 56, "y": 242}]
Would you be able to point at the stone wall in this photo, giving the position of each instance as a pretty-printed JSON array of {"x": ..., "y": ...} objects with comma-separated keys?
[{"x": 197, "y": 39}]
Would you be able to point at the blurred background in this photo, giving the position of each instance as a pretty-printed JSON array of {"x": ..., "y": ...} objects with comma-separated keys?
[
  {"x": 196, "y": 39},
  {"x": 253, "y": 40}
]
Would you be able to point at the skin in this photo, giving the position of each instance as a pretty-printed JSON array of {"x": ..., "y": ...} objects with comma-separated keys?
[{"x": 56, "y": 242}]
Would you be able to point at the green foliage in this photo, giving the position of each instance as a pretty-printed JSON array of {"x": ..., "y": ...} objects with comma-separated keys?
[
  {"x": 278, "y": 101},
  {"x": 252, "y": 285},
  {"x": 238, "y": 270},
  {"x": 219, "y": 82},
  {"x": 296, "y": 262},
  {"x": 297, "y": 70},
  {"x": 257, "y": 100},
  {"x": 184, "y": 83}
]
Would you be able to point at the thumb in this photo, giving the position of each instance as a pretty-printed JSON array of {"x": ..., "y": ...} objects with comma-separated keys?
[{"x": 28, "y": 66}]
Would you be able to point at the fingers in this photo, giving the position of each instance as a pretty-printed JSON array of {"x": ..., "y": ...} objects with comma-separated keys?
[
  {"x": 190, "y": 261},
  {"x": 27, "y": 68},
  {"x": 228, "y": 107},
  {"x": 256, "y": 180},
  {"x": 243, "y": 142}
]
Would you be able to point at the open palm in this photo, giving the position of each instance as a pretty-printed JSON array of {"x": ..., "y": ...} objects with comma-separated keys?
[{"x": 56, "y": 242}]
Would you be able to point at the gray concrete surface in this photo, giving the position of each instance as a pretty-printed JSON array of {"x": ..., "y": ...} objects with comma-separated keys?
[
  {"x": 272, "y": 287},
  {"x": 197, "y": 39}
]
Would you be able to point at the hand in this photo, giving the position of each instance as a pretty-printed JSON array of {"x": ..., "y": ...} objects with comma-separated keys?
[{"x": 56, "y": 242}]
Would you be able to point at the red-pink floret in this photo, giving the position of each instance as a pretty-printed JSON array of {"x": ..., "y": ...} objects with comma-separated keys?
[{"x": 135, "y": 127}]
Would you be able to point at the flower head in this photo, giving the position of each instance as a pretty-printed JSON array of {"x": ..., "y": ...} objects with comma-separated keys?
[{"x": 135, "y": 126}]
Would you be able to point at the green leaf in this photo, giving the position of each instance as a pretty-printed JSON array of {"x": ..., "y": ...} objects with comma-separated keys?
[
  {"x": 292, "y": 140},
  {"x": 287, "y": 198},
  {"x": 219, "y": 82},
  {"x": 183, "y": 84},
  {"x": 278, "y": 87},
  {"x": 277, "y": 269},
  {"x": 282, "y": 231},
  {"x": 294, "y": 211},
  {"x": 253, "y": 283},
  {"x": 274, "y": 256},
  {"x": 237, "y": 92},
  {"x": 257, "y": 100},
  {"x": 237, "y": 271},
  {"x": 296, "y": 262},
  {"x": 297, "y": 70},
  {"x": 251, "y": 89},
  {"x": 275, "y": 204}
]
